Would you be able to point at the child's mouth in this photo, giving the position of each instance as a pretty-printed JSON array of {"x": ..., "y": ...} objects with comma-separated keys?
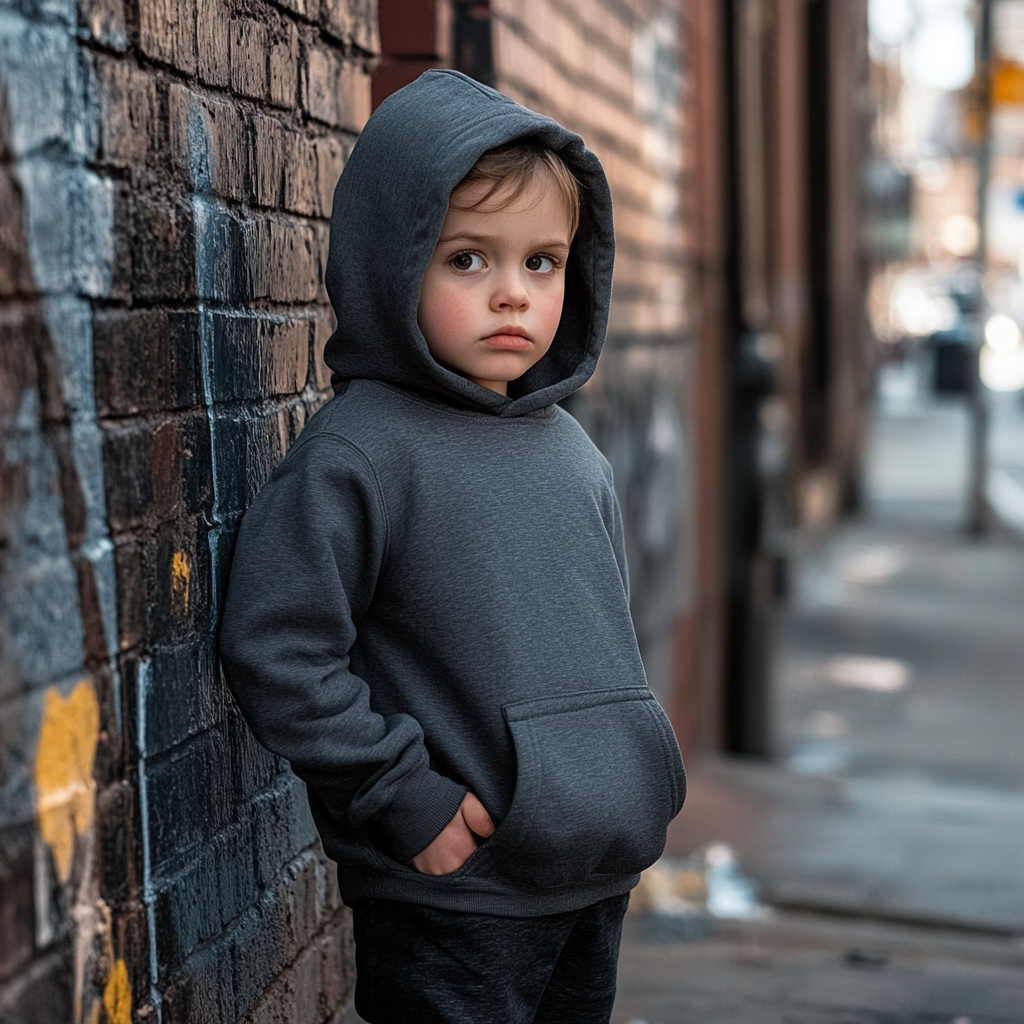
[{"x": 513, "y": 342}]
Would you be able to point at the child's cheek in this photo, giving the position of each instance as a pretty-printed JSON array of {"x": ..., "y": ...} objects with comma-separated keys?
[
  {"x": 444, "y": 315},
  {"x": 454, "y": 315}
]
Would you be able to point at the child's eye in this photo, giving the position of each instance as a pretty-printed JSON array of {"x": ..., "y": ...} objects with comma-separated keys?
[
  {"x": 467, "y": 261},
  {"x": 540, "y": 264}
]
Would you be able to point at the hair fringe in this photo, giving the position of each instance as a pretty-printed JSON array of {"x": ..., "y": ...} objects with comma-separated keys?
[{"x": 509, "y": 170}]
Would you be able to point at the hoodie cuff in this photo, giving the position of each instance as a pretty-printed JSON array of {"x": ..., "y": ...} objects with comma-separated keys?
[{"x": 420, "y": 810}]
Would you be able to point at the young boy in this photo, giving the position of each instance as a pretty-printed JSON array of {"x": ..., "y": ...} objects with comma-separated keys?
[{"x": 428, "y": 610}]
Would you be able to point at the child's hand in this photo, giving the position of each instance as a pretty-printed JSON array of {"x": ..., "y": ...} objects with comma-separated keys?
[{"x": 453, "y": 847}]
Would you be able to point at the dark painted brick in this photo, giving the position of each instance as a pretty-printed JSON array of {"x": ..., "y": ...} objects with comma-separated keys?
[
  {"x": 185, "y": 695},
  {"x": 235, "y": 868},
  {"x": 277, "y": 1004},
  {"x": 281, "y": 827},
  {"x": 186, "y": 907},
  {"x": 248, "y": 908},
  {"x": 46, "y": 995},
  {"x": 17, "y": 905},
  {"x": 18, "y": 723},
  {"x": 221, "y": 543},
  {"x": 146, "y": 361},
  {"x": 132, "y": 594},
  {"x": 155, "y": 469},
  {"x": 163, "y": 252},
  {"x": 28, "y": 360},
  {"x": 154, "y": 603},
  {"x": 118, "y": 845},
  {"x": 332, "y": 897},
  {"x": 305, "y": 977},
  {"x": 256, "y": 357},
  {"x": 124, "y": 227},
  {"x": 22, "y": 329},
  {"x": 259, "y": 952},
  {"x": 200, "y": 991},
  {"x": 294, "y": 994},
  {"x": 221, "y": 265},
  {"x": 270, "y": 939},
  {"x": 295, "y": 414},
  {"x": 255, "y": 768},
  {"x": 249, "y": 445},
  {"x": 213, "y": 890},
  {"x": 182, "y": 163},
  {"x": 15, "y": 261},
  {"x": 300, "y": 888},
  {"x": 190, "y": 799},
  {"x": 179, "y": 580},
  {"x": 127, "y": 463},
  {"x": 131, "y": 943},
  {"x": 319, "y": 93}
]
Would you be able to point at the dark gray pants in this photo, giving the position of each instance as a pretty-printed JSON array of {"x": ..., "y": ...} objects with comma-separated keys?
[{"x": 418, "y": 965}]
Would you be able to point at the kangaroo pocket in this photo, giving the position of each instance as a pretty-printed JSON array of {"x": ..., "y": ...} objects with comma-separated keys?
[{"x": 599, "y": 779}]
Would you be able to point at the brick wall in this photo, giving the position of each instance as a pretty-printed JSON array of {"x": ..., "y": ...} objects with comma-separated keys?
[{"x": 166, "y": 174}]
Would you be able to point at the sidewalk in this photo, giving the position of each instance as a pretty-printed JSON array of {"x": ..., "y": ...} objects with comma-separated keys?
[
  {"x": 897, "y": 798},
  {"x": 808, "y": 969}
]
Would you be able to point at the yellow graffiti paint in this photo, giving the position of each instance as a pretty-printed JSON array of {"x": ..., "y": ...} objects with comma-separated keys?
[
  {"x": 63, "y": 770},
  {"x": 117, "y": 995},
  {"x": 181, "y": 574}
]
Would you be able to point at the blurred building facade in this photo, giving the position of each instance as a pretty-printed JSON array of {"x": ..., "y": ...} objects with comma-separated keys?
[{"x": 168, "y": 171}]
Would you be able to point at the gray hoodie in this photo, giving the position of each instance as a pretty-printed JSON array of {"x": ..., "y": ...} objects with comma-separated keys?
[{"x": 430, "y": 593}]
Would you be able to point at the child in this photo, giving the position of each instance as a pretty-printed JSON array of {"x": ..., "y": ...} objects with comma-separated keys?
[{"x": 428, "y": 609}]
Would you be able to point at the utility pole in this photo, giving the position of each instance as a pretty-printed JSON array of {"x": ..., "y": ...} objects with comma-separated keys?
[{"x": 979, "y": 515}]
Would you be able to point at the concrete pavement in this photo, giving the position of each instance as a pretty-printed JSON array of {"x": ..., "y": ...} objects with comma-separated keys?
[{"x": 812, "y": 969}]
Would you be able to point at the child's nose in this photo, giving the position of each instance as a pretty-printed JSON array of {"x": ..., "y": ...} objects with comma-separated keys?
[{"x": 511, "y": 294}]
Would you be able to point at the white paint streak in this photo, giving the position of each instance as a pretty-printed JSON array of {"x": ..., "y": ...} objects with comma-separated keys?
[
  {"x": 209, "y": 255},
  {"x": 148, "y": 889}
]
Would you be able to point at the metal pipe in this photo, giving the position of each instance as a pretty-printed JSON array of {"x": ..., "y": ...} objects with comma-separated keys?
[{"x": 979, "y": 514}]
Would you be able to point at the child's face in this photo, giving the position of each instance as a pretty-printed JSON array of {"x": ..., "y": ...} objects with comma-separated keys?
[{"x": 491, "y": 297}]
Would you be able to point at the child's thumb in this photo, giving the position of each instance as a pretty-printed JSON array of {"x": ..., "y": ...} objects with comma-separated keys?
[{"x": 476, "y": 817}]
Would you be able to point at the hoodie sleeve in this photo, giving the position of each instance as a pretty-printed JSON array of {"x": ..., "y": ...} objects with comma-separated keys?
[
  {"x": 612, "y": 516},
  {"x": 303, "y": 573},
  {"x": 619, "y": 543}
]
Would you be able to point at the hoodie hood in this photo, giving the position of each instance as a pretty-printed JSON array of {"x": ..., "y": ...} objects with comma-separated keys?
[{"x": 389, "y": 207}]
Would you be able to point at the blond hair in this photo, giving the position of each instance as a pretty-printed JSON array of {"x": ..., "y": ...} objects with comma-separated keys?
[{"x": 508, "y": 171}]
